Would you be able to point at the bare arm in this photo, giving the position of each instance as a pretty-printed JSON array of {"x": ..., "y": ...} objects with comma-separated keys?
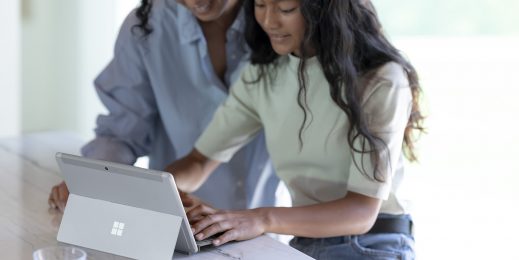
[
  {"x": 354, "y": 214},
  {"x": 191, "y": 171},
  {"x": 351, "y": 215}
]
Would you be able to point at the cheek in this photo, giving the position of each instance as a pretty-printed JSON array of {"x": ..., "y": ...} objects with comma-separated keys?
[
  {"x": 225, "y": 3},
  {"x": 299, "y": 30},
  {"x": 219, "y": 6},
  {"x": 222, "y": 5},
  {"x": 258, "y": 15}
]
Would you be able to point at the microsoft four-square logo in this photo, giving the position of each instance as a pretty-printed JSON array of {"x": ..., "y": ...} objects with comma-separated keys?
[{"x": 117, "y": 229}]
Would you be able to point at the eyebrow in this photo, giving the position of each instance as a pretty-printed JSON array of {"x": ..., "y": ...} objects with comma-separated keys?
[{"x": 278, "y": 1}]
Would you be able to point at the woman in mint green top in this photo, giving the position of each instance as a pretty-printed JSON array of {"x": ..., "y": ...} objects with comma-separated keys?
[{"x": 338, "y": 104}]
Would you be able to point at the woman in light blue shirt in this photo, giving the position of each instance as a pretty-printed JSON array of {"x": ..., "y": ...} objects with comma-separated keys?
[{"x": 173, "y": 64}]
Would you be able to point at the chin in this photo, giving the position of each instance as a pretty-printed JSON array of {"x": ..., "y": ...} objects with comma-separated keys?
[
  {"x": 213, "y": 14},
  {"x": 206, "y": 18},
  {"x": 210, "y": 16},
  {"x": 282, "y": 52}
]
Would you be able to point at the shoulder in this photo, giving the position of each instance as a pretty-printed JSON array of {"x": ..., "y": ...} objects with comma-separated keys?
[
  {"x": 162, "y": 12},
  {"x": 264, "y": 74},
  {"x": 250, "y": 72},
  {"x": 392, "y": 73},
  {"x": 388, "y": 78}
]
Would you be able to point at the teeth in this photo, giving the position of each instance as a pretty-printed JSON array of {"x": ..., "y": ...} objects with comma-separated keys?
[
  {"x": 278, "y": 36},
  {"x": 202, "y": 8}
]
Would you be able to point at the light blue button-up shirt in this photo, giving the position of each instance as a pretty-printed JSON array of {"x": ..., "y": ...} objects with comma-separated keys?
[{"x": 161, "y": 92}]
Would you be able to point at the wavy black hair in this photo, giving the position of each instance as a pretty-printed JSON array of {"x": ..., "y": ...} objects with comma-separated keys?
[
  {"x": 143, "y": 14},
  {"x": 348, "y": 40}
]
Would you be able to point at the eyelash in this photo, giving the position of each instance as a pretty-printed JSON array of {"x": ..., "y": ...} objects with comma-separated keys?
[
  {"x": 259, "y": 5},
  {"x": 287, "y": 11}
]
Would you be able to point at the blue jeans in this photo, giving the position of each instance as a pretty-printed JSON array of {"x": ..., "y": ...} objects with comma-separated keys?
[{"x": 389, "y": 246}]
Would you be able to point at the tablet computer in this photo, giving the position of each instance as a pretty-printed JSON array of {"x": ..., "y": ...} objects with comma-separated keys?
[{"x": 123, "y": 210}]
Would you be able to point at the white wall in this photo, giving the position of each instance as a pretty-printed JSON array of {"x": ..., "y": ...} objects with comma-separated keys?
[
  {"x": 466, "y": 182},
  {"x": 98, "y": 27},
  {"x": 48, "y": 69},
  {"x": 65, "y": 45},
  {"x": 9, "y": 68}
]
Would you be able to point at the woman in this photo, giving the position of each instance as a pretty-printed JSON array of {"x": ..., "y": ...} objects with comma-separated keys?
[
  {"x": 338, "y": 104},
  {"x": 172, "y": 66}
]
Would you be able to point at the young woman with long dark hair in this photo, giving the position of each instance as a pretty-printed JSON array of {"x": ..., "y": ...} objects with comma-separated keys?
[
  {"x": 173, "y": 64},
  {"x": 338, "y": 104}
]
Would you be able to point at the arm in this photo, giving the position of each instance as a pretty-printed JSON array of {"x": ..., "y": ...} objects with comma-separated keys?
[
  {"x": 191, "y": 171},
  {"x": 125, "y": 133},
  {"x": 234, "y": 124},
  {"x": 351, "y": 215},
  {"x": 387, "y": 110}
]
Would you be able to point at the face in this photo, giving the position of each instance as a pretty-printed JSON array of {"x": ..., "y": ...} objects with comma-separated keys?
[
  {"x": 283, "y": 22},
  {"x": 208, "y": 10}
]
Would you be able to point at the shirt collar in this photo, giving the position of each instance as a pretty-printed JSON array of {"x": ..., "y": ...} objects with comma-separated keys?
[
  {"x": 188, "y": 26},
  {"x": 190, "y": 29},
  {"x": 239, "y": 23},
  {"x": 312, "y": 63}
]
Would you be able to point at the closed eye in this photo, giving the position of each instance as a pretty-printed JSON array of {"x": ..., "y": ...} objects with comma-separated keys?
[
  {"x": 258, "y": 4},
  {"x": 287, "y": 11}
]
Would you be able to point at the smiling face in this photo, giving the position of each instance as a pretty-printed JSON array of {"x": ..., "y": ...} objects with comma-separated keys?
[
  {"x": 209, "y": 10},
  {"x": 283, "y": 22}
]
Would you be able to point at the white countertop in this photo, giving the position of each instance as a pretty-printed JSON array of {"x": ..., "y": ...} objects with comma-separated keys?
[{"x": 28, "y": 170}]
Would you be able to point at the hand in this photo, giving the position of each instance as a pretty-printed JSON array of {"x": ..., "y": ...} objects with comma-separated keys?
[
  {"x": 58, "y": 196},
  {"x": 196, "y": 209},
  {"x": 189, "y": 200},
  {"x": 235, "y": 225}
]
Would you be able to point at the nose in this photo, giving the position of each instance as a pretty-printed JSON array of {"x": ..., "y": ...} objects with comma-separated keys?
[{"x": 271, "y": 19}]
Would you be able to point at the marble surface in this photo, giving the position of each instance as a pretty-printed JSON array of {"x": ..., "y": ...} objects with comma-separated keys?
[{"x": 28, "y": 170}]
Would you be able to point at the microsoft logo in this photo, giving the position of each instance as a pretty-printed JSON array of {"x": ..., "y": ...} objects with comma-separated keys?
[{"x": 117, "y": 229}]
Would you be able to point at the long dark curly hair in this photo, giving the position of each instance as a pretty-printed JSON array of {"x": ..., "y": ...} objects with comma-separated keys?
[
  {"x": 348, "y": 40},
  {"x": 143, "y": 14}
]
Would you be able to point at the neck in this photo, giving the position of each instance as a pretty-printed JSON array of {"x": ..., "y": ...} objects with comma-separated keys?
[{"x": 310, "y": 52}]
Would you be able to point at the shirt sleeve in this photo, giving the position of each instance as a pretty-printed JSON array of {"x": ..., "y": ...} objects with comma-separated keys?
[
  {"x": 125, "y": 133},
  {"x": 234, "y": 123},
  {"x": 387, "y": 107}
]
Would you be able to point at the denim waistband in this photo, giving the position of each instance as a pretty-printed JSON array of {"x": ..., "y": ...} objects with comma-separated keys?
[{"x": 347, "y": 238}]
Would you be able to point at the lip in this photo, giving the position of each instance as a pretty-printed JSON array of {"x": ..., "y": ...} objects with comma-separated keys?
[
  {"x": 202, "y": 7},
  {"x": 278, "y": 37}
]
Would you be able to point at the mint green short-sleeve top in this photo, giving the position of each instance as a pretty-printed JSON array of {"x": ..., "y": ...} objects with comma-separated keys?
[{"x": 323, "y": 168}]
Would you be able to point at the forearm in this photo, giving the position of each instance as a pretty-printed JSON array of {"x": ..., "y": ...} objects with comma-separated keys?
[
  {"x": 109, "y": 149},
  {"x": 351, "y": 215},
  {"x": 191, "y": 171}
]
